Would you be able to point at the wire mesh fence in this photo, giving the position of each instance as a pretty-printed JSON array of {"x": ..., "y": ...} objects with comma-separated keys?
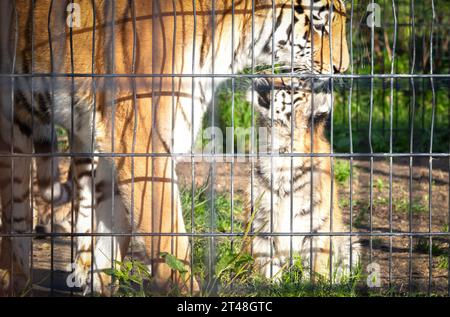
[{"x": 107, "y": 100}]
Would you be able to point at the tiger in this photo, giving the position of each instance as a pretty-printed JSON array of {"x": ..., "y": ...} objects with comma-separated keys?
[
  {"x": 51, "y": 193},
  {"x": 290, "y": 111},
  {"x": 55, "y": 206},
  {"x": 130, "y": 81}
]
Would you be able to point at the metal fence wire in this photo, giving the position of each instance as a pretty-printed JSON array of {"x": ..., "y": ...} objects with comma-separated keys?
[{"x": 388, "y": 130}]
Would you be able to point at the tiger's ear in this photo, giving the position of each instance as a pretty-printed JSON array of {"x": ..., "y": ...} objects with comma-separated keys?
[
  {"x": 318, "y": 106},
  {"x": 341, "y": 57},
  {"x": 262, "y": 85}
]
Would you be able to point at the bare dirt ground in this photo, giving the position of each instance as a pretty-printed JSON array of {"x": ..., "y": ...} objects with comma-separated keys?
[{"x": 404, "y": 261}]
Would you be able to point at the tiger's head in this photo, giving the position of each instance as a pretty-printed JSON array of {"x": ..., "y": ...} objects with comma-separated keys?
[
  {"x": 287, "y": 110},
  {"x": 276, "y": 101},
  {"x": 311, "y": 37}
]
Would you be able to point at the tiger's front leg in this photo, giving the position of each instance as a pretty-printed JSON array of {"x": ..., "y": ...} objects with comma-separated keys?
[
  {"x": 85, "y": 216},
  {"x": 267, "y": 261},
  {"x": 52, "y": 190},
  {"x": 84, "y": 168},
  {"x": 100, "y": 210},
  {"x": 147, "y": 181},
  {"x": 111, "y": 217},
  {"x": 15, "y": 210}
]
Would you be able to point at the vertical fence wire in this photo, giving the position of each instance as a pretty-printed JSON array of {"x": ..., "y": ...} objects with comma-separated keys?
[
  {"x": 32, "y": 170},
  {"x": 272, "y": 97},
  {"x": 291, "y": 145},
  {"x": 193, "y": 83},
  {"x": 172, "y": 131},
  {"x": 13, "y": 83},
  {"x": 430, "y": 171},
  {"x": 411, "y": 143},
  {"x": 252, "y": 98},
  {"x": 311, "y": 180},
  {"x": 213, "y": 169},
  {"x": 233, "y": 83},
  {"x": 113, "y": 116},
  {"x": 448, "y": 199},
  {"x": 391, "y": 140},
  {"x": 92, "y": 157},
  {"x": 155, "y": 8},
  {"x": 372, "y": 71},
  {"x": 72, "y": 134},
  {"x": 350, "y": 129},
  {"x": 52, "y": 120},
  {"x": 330, "y": 82},
  {"x": 135, "y": 123}
]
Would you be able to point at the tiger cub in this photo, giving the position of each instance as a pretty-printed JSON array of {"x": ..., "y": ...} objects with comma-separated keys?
[{"x": 284, "y": 186}]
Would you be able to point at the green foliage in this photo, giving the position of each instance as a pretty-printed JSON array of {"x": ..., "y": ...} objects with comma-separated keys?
[
  {"x": 437, "y": 249},
  {"x": 242, "y": 115},
  {"x": 362, "y": 215},
  {"x": 443, "y": 261},
  {"x": 203, "y": 210},
  {"x": 203, "y": 216},
  {"x": 417, "y": 205},
  {"x": 174, "y": 263},
  {"x": 234, "y": 274},
  {"x": 233, "y": 266},
  {"x": 295, "y": 282},
  {"x": 379, "y": 184},
  {"x": 342, "y": 171},
  {"x": 132, "y": 278},
  {"x": 411, "y": 102},
  {"x": 411, "y": 122},
  {"x": 443, "y": 258}
]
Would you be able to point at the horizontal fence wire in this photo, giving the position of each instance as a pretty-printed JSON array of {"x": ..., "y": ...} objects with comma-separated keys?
[
  {"x": 262, "y": 75},
  {"x": 225, "y": 234},
  {"x": 228, "y": 156}
]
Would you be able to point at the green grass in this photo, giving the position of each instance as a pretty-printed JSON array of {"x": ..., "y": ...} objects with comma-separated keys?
[
  {"x": 403, "y": 205},
  {"x": 233, "y": 273},
  {"x": 345, "y": 202},
  {"x": 380, "y": 184},
  {"x": 132, "y": 278},
  {"x": 443, "y": 261},
  {"x": 203, "y": 217},
  {"x": 362, "y": 216},
  {"x": 382, "y": 201},
  {"x": 377, "y": 242},
  {"x": 444, "y": 257},
  {"x": 342, "y": 171},
  {"x": 437, "y": 249},
  {"x": 294, "y": 282}
]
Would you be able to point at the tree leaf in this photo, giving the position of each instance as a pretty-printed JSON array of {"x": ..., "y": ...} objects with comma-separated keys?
[{"x": 174, "y": 263}]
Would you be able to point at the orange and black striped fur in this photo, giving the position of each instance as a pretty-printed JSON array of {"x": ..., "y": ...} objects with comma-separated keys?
[
  {"x": 296, "y": 194},
  {"x": 140, "y": 110}
]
